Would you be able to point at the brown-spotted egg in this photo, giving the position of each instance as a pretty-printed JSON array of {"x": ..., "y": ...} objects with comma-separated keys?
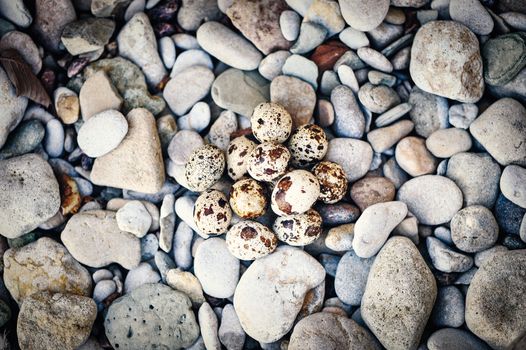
[
  {"x": 333, "y": 181},
  {"x": 271, "y": 122},
  {"x": 268, "y": 161},
  {"x": 300, "y": 229},
  {"x": 295, "y": 193},
  {"x": 236, "y": 155},
  {"x": 247, "y": 199},
  {"x": 205, "y": 167},
  {"x": 250, "y": 240},
  {"x": 307, "y": 144},
  {"x": 212, "y": 214}
]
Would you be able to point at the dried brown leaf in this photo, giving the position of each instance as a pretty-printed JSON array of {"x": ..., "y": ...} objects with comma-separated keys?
[{"x": 20, "y": 74}]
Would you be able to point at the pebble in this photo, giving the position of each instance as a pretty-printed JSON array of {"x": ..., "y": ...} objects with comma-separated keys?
[
  {"x": 451, "y": 337},
  {"x": 462, "y": 115},
  {"x": 259, "y": 22},
  {"x": 192, "y": 13},
  {"x": 515, "y": 19},
  {"x": 384, "y": 35},
  {"x": 338, "y": 214},
  {"x": 429, "y": 112},
  {"x": 163, "y": 263},
  {"x": 508, "y": 215},
  {"x": 187, "y": 283},
  {"x": 222, "y": 128},
  {"x": 183, "y": 144},
  {"x": 227, "y": 46},
  {"x": 399, "y": 295},
  {"x": 400, "y": 61},
  {"x": 270, "y": 66},
  {"x": 364, "y": 16},
  {"x": 445, "y": 143},
  {"x": 117, "y": 203},
  {"x": 149, "y": 246},
  {"x": 137, "y": 43},
  {"x": 87, "y": 35},
  {"x": 134, "y": 7},
  {"x": 413, "y": 156},
  {"x": 182, "y": 243},
  {"x": 353, "y": 38},
  {"x": 29, "y": 194},
  {"x": 377, "y": 98},
  {"x": 50, "y": 320},
  {"x": 432, "y": 199},
  {"x": 209, "y": 325},
  {"x": 329, "y": 80},
  {"x": 348, "y": 78},
  {"x": 184, "y": 208},
  {"x": 326, "y": 330},
  {"x": 501, "y": 129},
  {"x": 197, "y": 119},
  {"x": 456, "y": 72},
  {"x": 375, "y": 59},
  {"x": 137, "y": 163},
  {"x": 474, "y": 229},
  {"x": 51, "y": 17},
  {"x": 351, "y": 277},
  {"x": 498, "y": 283},
  {"x": 382, "y": 139},
  {"x": 106, "y": 8},
  {"x": 25, "y": 46},
  {"x": 289, "y": 22},
  {"x": 477, "y": 175},
  {"x": 340, "y": 238},
  {"x": 349, "y": 120},
  {"x": 230, "y": 332},
  {"x": 187, "y": 88},
  {"x": 185, "y": 41},
  {"x": 54, "y": 139},
  {"x": 16, "y": 12},
  {"x": 303, "y": 68},
  {"x": 167, "y": 319},
  {"x": 134, "y": 218},
  {"x": 449, "y": 308},
  {"x": 343, "y": 150},
  {"x": 104, "y": 243},
  {"x": 167, "y": 51},
  {"x": 102, "y": 133},
  {"x": 97, "y": 95},
  {"x": 513, "y": 184},
  {"x": 142, "y": 274},
  {"x": 67, "y": 105},
  {"x": 296, "y": 96},
  {"x": 264, "y": 314},
  {"x": 372, "y": 190},
  {"x": 190, "y": 58},
  {"x": 446, "y": 259},
  {"x": 240, "y": 91},
  {"x": 472, "y": 14},
  {"x": 24, "y": 139},
  {"x": 103, "y": 289},
  {"x": 216, "y": 268},
  {"x": 485, "y": 255},
  {"x": 311, "y": 36},
  {"x": 43, "y": 265},
  {"x": 393, "y": 114}
]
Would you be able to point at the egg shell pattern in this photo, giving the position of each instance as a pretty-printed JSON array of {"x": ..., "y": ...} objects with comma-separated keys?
[
  {"x": 333, "y": 181},
  {"x": 212, "y": 214},
  {"x": 248, "y": 199},
  {"x": 307, "y": 145},
  {"x": 236, "y": 156},
  {"x": 299, "y": 230},
  {"x": 268, "y": 161},
  {"x": 295, "y": 193},
  {"x": 250, "y": 240},
  {"x": 205, "y": 167},
  {"x": 271, "y": 123}
]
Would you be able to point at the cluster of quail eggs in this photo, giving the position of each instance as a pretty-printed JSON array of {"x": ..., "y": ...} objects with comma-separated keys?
[{"x": 275, "y": 160}]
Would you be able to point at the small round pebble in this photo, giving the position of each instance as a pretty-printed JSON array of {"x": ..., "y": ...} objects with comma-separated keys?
[
  {"x": 412, "y": 156},
  {"x": 271, "y": 123},
  {"x": 268, "y": 161},
  {"x": 102, "y": 133},
  {"x": 333, "y": 181},
  {"x": 205, "y": 167},
  {"x": 236, "y": 156},
  {"x": 307, "y": 144},
  {"x": 212, "y": 213},
  {"x": 300, "y": 229},
  {"x": 289, "y": 22},
  {"x": 134, "y": 218},
  {"x": 445, "y": 143},
  {"x": 295, "y": 193},
  {"x": 371, "y": 190},
  {"x": 250, "y": 240},
  {"x": 183, "y": 144},
  {"x": 248, "y": 199},
  {"x": 474, "y": 229}
]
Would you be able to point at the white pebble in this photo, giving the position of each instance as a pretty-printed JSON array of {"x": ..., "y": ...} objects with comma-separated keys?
[
  {"x": 134, "y": 218},
  {"x": 167, "y": 51}
]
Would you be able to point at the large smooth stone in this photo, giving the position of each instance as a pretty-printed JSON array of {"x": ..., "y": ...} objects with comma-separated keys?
[
  {"x": 399, "y": 295},
  {"x": 433, "y": 199},
  {"x": 44, "y": 265},
  {"x": 153, "y": 316},
  {"x": 11, "y": 105},
  {"x": 137, "y": 163},
  {"x": 364, "y": 15},
  {"x": 95, "y": 240},
  {"x": 271, "y": 292},
  {"x": 445, "y": 60},
  {"x": 29, "y": 194},
  {"x": 496, "y": 300}
]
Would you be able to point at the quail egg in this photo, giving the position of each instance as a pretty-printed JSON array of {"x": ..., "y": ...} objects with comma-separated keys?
[
  {"x": 333, "y": 181},
  {"x": 300, "y": 229},
  {"x": 250, "y": 240},
  {"x": 236, "y": 155},
  {"x": 295, "y": 193},
  {"x": 271, "y": 122},
  {"x": 247, "y": 199},
  {"x": 307, "y": 144},
  {"x": 268, "y": 161},
  {"x": 204, "y": 168},
  {"x": 212, "y": 214}
]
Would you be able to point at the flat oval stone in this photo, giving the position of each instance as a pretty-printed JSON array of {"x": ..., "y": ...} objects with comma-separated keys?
[
  {"x": 25, "y": 46},
  {"x": 102, "y": 133},
  {"x": 504, "y": 57},
  {"x": 429, "y": 112},
  {"x": 227, "y": 46},
  {"x": 364, "y": 15},
  {"x": 433, "y": 199},
  {"x": 455, "y": 70},
  {"x": 351, "y": 277},
  {"x": 413, "y": 156},
  {"x": 450, "y": 338},
  {"x": 378, "y": 98},
  {"x": 446, "y": 259},
  {"x": 296, "y": 96},
  {"x": 349, "y": 120},
  {"x": 355, "y": 156},
  {"x": 513, "y": 184},
  {"x": 445, "y": 143},
  {"x": 474, "y": 229},
  {"x": 472, "y": 14}
]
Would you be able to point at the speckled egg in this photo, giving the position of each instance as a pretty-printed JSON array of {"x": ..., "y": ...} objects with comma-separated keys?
[
  {"x": 271, "y": 123},
  {"x": 250, "y": 240},
  {"x": 268, "y": 161},
  {"x": 295, "y": 193},
  {"x": 333, "y": 182},
  {"x": 236, "y": 155},
  {"x": 307, "y": 144},
  {"x": 247, "y": 199},
  {"x": 212, "y": 214},
  {"x": 205, "y": 167},
  {"x": 299, "y": 230}
]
